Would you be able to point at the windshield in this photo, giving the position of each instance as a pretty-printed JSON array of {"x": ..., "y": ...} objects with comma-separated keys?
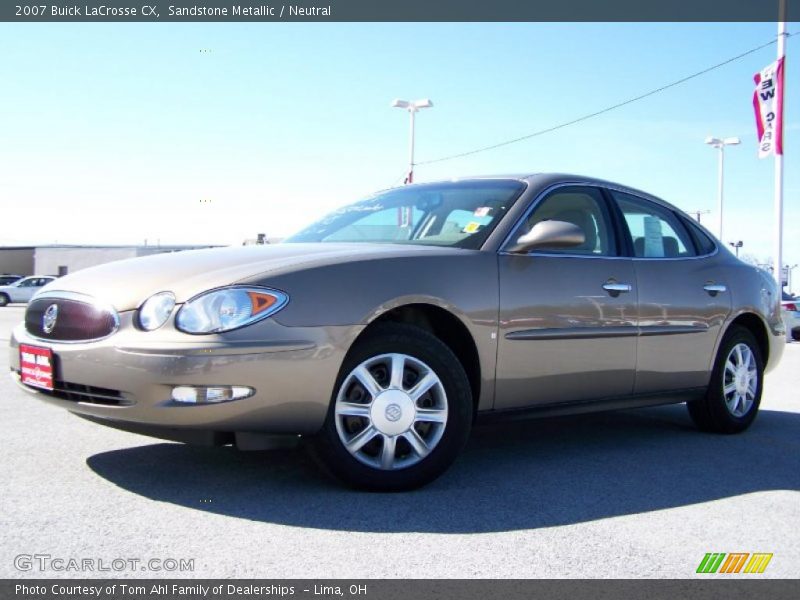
[{"x": 459, "y": 214}]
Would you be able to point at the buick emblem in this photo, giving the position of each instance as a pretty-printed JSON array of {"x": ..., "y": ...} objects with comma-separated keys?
[
  {"x": 49, "y": 318},
  {"x": 393, "y": 412}
]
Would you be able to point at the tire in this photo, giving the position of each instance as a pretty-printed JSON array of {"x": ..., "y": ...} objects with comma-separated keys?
[
  {"x": 796, "y": 335},
  {"x": 424, "y": 444},
  {"x": 4, "y": 299},
  {"x": 738, "y": 361}
]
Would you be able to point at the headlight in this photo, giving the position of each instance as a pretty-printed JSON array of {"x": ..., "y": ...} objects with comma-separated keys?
[
  {"x": 155, "y": 311},
  {"x": 228, "y": 308}
]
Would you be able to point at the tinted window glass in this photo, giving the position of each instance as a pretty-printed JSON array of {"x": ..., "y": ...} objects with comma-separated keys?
[
  {"x": 705, "y": 245},
  {"x": 580, "y": 206},
  {"x": 656, "y": 232},
  {"x": 388, "y": 225}
]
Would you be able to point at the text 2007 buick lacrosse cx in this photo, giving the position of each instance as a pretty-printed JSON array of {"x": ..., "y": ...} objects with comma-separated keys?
[{"x": 382, "y": 331}]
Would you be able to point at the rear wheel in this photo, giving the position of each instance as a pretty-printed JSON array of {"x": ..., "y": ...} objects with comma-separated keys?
[
  {"x": 400, "y": 414},
  {"x": 734, "y": 394},
  {"x": 4, "y": 299}
]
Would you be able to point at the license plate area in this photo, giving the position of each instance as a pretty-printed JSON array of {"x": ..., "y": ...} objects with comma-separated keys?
[{"x": 36, "y": 366}]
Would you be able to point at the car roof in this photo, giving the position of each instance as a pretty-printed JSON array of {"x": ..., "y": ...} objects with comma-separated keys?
[{"x": 543, "y": 180}]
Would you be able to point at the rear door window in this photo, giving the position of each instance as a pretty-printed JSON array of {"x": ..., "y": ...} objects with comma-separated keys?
[{"x": 656, "y": 232}]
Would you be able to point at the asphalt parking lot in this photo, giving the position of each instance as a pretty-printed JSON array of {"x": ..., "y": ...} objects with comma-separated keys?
[{"x": 627, "y": 494}]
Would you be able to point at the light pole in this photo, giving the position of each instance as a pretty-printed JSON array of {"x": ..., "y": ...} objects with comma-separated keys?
[
  {"x": 736, "y": 246},
  {"x": 720, "y": 144},
  {"x": 413, "y": 108}
]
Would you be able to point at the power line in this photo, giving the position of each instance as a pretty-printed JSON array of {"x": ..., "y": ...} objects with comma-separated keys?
[{"x": 602, "y": 111}]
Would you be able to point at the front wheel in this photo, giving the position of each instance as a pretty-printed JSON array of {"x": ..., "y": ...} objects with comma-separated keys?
[
  {"x": 734, "y": 394},
  {"x": 400, "y": 414},
  {"x": 4, "y": 299}
]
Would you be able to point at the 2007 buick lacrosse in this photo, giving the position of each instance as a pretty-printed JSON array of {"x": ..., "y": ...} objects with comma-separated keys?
[{"x": 384, "y": 330}]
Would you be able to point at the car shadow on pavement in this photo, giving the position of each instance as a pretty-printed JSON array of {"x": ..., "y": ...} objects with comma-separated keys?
[{"x": 519, "y": 475}]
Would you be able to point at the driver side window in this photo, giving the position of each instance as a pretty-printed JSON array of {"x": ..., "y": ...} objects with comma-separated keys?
[{"x": 583, "y": 207}]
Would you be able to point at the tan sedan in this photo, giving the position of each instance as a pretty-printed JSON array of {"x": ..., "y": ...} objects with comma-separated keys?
[{"x": 384, "y": 330}]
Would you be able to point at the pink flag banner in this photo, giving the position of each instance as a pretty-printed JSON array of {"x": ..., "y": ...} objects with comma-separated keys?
[{"x": 768, "y": 105}]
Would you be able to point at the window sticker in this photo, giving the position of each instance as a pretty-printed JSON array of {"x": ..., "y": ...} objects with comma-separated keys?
[
  {"x": 653, "y": 238},
  {"x": 483, "y": 211},
  {"x": 472, "y": 227}
]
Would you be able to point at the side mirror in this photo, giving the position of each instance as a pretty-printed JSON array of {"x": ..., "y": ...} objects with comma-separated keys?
[{"x": 550, "y": 234}]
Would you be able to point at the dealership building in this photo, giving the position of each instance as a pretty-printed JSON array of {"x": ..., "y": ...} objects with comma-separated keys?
[{"x": 62, "y": 259}]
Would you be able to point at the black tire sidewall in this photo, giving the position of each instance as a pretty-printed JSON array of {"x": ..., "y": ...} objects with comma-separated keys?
[
  {"x": 419, "y": 344},
  {"x": 4, "y": 300}
]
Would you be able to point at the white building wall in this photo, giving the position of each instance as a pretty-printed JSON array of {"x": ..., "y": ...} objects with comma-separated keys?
[
  {"x": 17, "y": 261},
  {"x": 48, "y": 260}
]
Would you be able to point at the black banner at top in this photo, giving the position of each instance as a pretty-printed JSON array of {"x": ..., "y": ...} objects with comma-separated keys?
[{"x": 391, "y": 10}]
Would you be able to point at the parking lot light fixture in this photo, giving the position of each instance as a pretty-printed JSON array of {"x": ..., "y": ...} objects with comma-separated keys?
[
  {"x": 720, "y": 144},
  {"x": 412, "y": 108}
]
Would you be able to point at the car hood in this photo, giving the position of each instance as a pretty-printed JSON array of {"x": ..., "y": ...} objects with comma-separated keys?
[{"x": 125, "y": 284}]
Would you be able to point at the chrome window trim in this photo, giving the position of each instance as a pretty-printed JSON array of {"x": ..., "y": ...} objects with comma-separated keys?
[
  {"x": 76, "y": 297},
  {"x": 536, "y": 201}
]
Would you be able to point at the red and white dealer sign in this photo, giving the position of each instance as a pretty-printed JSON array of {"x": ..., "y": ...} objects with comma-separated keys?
[{"x": 36, "y": 366}]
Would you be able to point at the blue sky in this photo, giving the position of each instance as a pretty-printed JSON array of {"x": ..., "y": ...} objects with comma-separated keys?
[{"x": 114, "y": 133}]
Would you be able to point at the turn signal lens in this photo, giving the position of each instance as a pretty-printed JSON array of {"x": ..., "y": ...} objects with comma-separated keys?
[{"x": 229, "y": 308}]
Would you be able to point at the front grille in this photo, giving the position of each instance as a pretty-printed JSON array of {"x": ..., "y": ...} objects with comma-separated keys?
[
  {"x": 76, "y": 392},
  {"x": 76, "y": 320}
]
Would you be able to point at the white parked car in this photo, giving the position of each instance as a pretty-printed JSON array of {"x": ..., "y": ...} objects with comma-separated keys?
[
  {"x": 791, "y": 314},
  {"x": 24, "y": 289}
]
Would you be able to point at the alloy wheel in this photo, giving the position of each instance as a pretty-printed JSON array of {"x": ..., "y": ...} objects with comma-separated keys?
[
  {"x": 391, "y": 411},
  {"x": 740, "y": 380}
]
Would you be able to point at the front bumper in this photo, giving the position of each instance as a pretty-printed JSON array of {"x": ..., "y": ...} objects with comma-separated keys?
[{"x": 126, "y": 380}]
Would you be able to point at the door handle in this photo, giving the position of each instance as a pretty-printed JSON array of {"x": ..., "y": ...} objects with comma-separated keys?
[
  {"x": 617, "y": 288},
  {"x": 715, "y": 288}
]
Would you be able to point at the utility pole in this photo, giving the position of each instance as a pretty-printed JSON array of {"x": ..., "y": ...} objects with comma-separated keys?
[{"x": 778, "y": 236}]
